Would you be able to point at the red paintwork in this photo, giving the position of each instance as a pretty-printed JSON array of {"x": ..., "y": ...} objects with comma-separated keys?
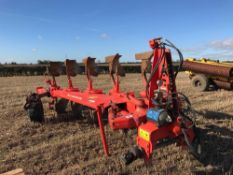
[
  {"x": 156, "y": 134},
  {"x": 88, "y": 99},
  {"x": 153, "y": 83},
  {"x": 41, "y": 91},
  {"x": 125, "y": 110},
  {"x": 131, "y": 116},
  {"x": 172, "y": 130}
]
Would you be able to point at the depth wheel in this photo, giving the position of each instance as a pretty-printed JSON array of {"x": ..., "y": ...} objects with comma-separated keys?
[
  {"x": 34, "y": 108},
  {"x": 76, "y": 110},
  {"x": 200, "y": 82},
  {"x": 60, "y": 106},
  {"x": 93, "y": 117},
  {"x": 197, "y": 145}
]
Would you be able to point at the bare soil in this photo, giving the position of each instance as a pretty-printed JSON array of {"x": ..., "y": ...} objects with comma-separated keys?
[{"x": 63, "y": 145}]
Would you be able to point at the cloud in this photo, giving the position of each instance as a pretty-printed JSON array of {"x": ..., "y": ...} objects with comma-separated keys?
[
  {"x": 226, "y": 44},
  {"x": 197, "y": 49},
  {"x": 39, "y": 37},
  {"x": 34, "y": 49},
  {"x": 104, "y": 36},
  {"x": 215, "y": 49},
  {"x": 221, "y": 45}
]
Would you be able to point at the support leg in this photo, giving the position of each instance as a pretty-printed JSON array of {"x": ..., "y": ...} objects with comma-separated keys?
[{"x": 102, "y": 133}]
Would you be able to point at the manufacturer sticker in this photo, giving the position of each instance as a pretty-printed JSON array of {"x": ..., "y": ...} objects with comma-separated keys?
[
  {"x": 76, "y": 97},
  {"x": 91, "y": 101}
]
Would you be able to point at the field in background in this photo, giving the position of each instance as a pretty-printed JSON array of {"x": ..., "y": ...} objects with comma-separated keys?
[{"x": 66, "y": 146}]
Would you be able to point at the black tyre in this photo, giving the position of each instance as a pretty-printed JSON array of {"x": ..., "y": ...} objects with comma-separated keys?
[
  {"x": 34, "y": 108},
  {"x": 60, "y": 106},
  {"x": 93, "y": 117},
  {"x": 200, "y": 82},
  {"x": 197, "y": 145},
  {"x": 76, "y": 110}
]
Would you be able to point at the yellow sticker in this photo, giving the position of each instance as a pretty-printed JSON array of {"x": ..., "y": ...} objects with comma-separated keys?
[
  {"x": 144, "y": 134},
  {"x": 92, "y": 97}
]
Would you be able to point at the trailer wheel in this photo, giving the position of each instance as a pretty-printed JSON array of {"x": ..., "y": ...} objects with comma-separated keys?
[
  {"x": 200, "y": 83},
  {"x": 34, "y": 108},
  {"x": 60, "y": 106}
]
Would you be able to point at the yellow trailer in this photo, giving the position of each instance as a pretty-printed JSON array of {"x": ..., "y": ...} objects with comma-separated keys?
[{"x": 209, "y": 74}]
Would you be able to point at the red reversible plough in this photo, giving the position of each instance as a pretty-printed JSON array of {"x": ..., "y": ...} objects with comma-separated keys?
[{"x": 158, "y": 115}]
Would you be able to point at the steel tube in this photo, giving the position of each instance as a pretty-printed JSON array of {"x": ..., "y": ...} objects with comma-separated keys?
[
  {"x": 214, "y": 70},
  {"x": 223, "y": 84}
]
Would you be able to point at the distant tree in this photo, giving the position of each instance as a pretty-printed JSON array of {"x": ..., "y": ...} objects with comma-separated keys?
[
  {"x": 42, "y": 61},
  {"x": 13, "y": 63},
  {"x": 228, "y": 61}
]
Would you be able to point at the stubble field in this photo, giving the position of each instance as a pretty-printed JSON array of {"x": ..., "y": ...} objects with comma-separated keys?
[{"x": 66, "y": 146}]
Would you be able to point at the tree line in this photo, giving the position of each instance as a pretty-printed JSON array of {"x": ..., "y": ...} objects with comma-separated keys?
[{"x": 40, "y": 69}]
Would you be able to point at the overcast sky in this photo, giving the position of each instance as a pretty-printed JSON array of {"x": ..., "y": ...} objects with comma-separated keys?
[{"x": 55, "y": 29}]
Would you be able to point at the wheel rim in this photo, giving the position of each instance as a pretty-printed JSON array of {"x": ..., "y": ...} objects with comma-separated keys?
[{"x": 197, "y": 83}]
